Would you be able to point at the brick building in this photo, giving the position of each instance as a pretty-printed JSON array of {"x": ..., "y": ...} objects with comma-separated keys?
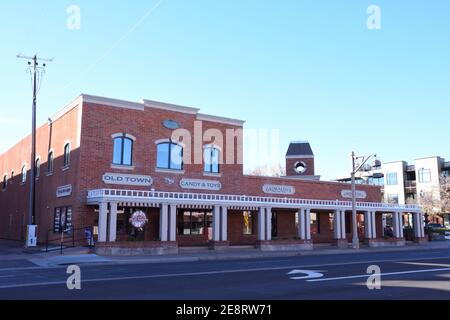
[{"x": 109, "y": 165}]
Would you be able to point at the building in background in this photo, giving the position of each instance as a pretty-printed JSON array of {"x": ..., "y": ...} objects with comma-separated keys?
[{"x": 404, "y": 183}]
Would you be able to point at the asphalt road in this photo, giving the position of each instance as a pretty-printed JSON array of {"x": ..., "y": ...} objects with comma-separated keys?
[{"x": 405, "y": 275}]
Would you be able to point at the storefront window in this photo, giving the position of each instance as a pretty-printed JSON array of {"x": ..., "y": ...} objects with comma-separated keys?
[
  {"x": 248, "y": 223},
  {"x": 314, "y": 223},
  {"x": 194, "y": 223}
]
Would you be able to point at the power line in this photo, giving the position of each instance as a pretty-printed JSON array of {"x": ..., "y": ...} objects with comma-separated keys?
[{"x": 89, "y": 69}]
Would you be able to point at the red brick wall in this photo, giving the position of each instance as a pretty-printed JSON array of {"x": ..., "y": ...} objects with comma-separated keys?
[
  {"x": 286, "y": 227},
  {"x": 236, "y": 234},
  {"x": 290, "y": 167},
  {"x": 14, "y": 201},
  {"x": 90, "y": 162}
]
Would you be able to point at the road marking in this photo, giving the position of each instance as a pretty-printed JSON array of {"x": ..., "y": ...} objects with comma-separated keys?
[
  {"x": 427, "y": 264},
  {"x": 310, "y": 274},
  {"x": 382, "y": 274},
  {"x": 208, "y": 273}
]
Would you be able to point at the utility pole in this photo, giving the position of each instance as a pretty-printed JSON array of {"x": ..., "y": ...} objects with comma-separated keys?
[
  {"x": 355, "y": 238},
  {"x": 36, "y": 75},
  {"x": 356, "y": 168}
]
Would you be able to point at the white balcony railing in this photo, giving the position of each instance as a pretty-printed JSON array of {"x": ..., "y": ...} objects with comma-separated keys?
[{"x": 117, "y": 195}]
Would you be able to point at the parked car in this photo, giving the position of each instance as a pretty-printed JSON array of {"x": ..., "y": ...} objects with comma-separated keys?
[
  {"x": 437, "y": 231},
  {"x": 447, "y": 234},
  {"x": 434, "y": 226}
]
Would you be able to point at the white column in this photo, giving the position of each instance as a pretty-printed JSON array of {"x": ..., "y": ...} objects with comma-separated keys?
[
  {"x": 163, "y": 222},
  {"x": 173, "y": 223},
  {"x": 113, "y": 222},
  {"x": 224, "y": 222},
  {"x": 302, "y": 224},
  {"x": 368, "y": 224},
  {"x": 343, "y": 231},
  {"x": 337, "y": 224},
  {"x": 216, "y": 224},
  {"x": 400, "y": 224},
  {"x": 395, "y": 225},
  {"x": 374, "y": 225},
  {"x": 262, "y": 224},
  {"x": 308, "y": 224},
  {"x": 422, "y": 225},
  {"x": 102, "y": 221},
  {"x": 418, "y": 225},
  {"x": 268, "y": 224},
  {"x": 397, "y": 219}
]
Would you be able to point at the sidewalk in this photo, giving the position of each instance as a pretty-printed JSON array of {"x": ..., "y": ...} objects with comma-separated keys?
[{"x": 14, "y": 256}]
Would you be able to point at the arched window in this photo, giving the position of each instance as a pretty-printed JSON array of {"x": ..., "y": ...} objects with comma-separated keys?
[
  {"x": 123, "y": 151},
  {"x": 5, "y": 182},
  {"x": 211, "y": 158},
  {"x": 12, "y": 176},
  {"x": 169, "y": 156},
  {"x": 50, "y": 162},
  {"x": 37, "y": 168},
  {"x": 67, "y": 155},
  {"x": 24, "y": 174}
]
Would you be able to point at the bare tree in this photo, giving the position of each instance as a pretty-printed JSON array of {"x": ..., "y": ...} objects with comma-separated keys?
[
  {"x": 445, "y": 194},
  {"x": 276, "y": 170},
  {"x": 436, "y": 202}
]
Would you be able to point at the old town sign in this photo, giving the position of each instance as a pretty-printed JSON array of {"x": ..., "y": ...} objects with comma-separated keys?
[{"x": 127, "y": 180}]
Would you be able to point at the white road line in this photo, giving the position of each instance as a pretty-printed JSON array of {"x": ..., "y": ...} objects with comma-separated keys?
[
  {"x": 191, "y": 274},
  {"x": 382, "y": 274}
]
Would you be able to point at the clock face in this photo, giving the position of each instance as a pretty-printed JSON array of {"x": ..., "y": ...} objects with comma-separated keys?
[
  {"x": 171, "y": 124},
  {"x": 300, "y": 167}
]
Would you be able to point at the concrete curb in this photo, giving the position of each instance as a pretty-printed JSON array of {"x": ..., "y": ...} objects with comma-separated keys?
[{"x": 86, "y": 259}]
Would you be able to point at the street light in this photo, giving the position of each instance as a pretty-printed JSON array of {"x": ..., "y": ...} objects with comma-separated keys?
[{"x": 363, "y": 160}]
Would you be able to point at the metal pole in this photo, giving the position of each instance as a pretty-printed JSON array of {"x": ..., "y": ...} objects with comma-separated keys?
[
  {"x": 32, "y": 199},
  {"x": 33, "y": 62},
  {"x": 355, "y": 239}
]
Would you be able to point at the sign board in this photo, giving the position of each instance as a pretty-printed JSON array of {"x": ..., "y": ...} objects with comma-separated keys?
[
  {"x": 127, "y": 180},
  {"x": 201, "y": 184},
  {"x": 348, "y": 194},
  {"x": 64, "y": 191},
  {"x": 275, "y": 189},
  {"x": 57, "y": 221},
  {"x": 62, "y": 220}
]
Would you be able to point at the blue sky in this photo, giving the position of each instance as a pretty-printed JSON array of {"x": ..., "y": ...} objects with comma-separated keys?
[{"x": 311, "y": 69}]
